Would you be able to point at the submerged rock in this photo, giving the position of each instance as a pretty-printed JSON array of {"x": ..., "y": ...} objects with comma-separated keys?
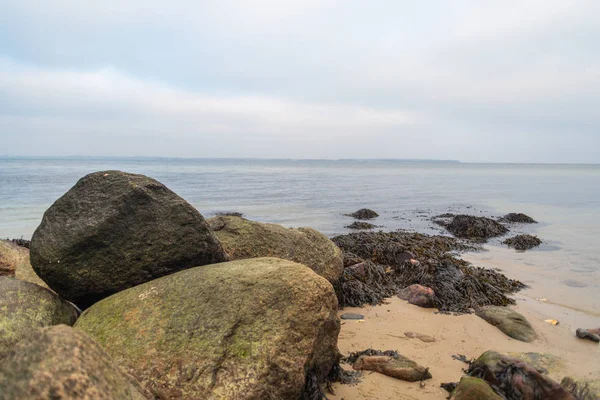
[
  {"x": 470, "y": 388},
  {"x": 582, "y": 389},
  {"x": 361, "y": 225},
  {"x": 246, "y": 329},
  {"x": 474, "y": 228},
  {"x": 24, "y": 307},
  {"x": 363, "y": 213},
  {"x": 519, "y": 218},
  {"x": 522, "y": 242},
  {"x": 508, "y": 321},
  {"x": 418, "y": 295},
  {"x": 395, "y": 365},
  {"x": 242, "y": 239},
  {"x": 115, "y": 230},
  {"x": 589, "y": 334},
  {"x": 515, "y": 379},
  {"x": 60, "y": 362}
]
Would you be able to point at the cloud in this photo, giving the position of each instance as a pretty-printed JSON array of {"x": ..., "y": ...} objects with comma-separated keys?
[{"x": 486, "y": 81}]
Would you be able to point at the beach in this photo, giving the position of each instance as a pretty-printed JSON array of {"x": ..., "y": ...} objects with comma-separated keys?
[{"x": 384, "y": 328}]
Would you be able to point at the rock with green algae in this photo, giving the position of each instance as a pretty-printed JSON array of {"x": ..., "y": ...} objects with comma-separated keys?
[
  {"x": 508, "y": 321},
  {"x": 516, "y": 379},
  {"x": 14, "y": 262},
  {"x": 582, "y": 389},
  {"x": 60, "y": 362},
  {"x": 242, "y": 238},
  {"x": 246, "y": 329},
  {"x": 470, "y": 388},
  {"x": 25, "y": 307},
  {"x": 544, "y": 363},
  {"x": 114, "y": 230}
]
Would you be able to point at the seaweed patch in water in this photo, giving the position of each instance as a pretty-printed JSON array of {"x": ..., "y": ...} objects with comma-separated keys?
[
  {"x": 523, "y": 242},
  {"x": 471, "y": 227},
  {"x": 458, "y": 286}
]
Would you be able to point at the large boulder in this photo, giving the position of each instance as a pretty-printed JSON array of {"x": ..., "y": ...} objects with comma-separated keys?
[
  {"x": 242, "y": 239},
  {"x": 247, "y": 329},
  {"x": 515, "y": 378},
  {"x": 583, "y": 389},
  {"x": 115, "y": 230},
  {"x": 25, "y": 307},
  {"x": 508, "y": 321},
  {"x": 60, "y": 362},
  {"x": 470, "y": 388}
]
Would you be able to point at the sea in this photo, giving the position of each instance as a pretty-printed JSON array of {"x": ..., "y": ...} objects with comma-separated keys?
[{"x": 565, "y": 200}]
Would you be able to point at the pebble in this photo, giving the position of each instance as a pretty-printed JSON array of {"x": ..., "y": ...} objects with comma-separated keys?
[{"x": 352, "y": 316}]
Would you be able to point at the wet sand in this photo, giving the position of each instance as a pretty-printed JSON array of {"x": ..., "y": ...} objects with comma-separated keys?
[{"x": 384, "y": 327}]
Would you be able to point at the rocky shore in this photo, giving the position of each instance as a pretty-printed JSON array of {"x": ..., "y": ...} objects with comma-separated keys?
[{"x": 176, "y": 306}]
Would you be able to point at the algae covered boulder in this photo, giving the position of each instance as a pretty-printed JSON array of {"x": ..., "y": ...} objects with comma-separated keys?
[
  {"x": 582, "y": 389},
  {"x": 242, "y": 239},
  {"x": 25, "y": 307},
  {"x": 508, "y": 321},
  {"x": 516, "y": 379},
  {"x": 246, "y": 329},
  {"x": 60, "y": 362},
  {"x": 114, "y": 230},
  {"x": 470, "y": 388}
]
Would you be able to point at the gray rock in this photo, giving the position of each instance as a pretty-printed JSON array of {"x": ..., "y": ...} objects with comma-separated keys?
[
  {"x": 115, "y": 230},
  {"x": 352, "y": 316}
]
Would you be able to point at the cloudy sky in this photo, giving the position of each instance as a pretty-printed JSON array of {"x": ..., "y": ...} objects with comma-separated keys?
[{"x": 515, "y": 81}]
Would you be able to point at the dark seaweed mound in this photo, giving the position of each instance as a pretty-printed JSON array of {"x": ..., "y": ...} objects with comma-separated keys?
[
  {"x": 471, "y": 227},
  {"x": 230, "y": 214},
  {"x": 458, "y": 286},
  {"x": 519, "y": 218},
  {"x": 363, "y": 213},
  {"x": 361, "y": 225},
  {"x": 21, "y": 242},
  {"x": 523, "y": 242}
]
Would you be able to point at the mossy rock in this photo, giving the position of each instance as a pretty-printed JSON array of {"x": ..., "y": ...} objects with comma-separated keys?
[
  {"x": 60, "y": 362},
  {"x": 544, "y": 363},
  {"x": 25, "y": 307},
  {"x": 508, "y": 321},
  {"x": 247, "y": 329},
  {"x": 14, "y": 262},
  {"x": 114, "y": 230},
  {"x": 242, "y": 238},
  {"x": 470, "y": 388},
  {"x": 582, "y": 389},
  {"x": 10, "y": 256}
]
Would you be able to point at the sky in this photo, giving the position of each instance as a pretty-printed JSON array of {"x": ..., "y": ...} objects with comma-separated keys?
[{"x": 483, "y": 81}]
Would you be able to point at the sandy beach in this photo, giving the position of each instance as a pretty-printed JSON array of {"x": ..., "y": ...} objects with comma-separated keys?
[{"x": 384, "y": 328}]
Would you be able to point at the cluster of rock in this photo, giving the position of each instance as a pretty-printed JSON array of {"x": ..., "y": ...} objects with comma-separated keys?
[
  {"x": 167, "y": 315},
  {"x": 480, "y": 229},
  {"x": 362, "y": 215}
]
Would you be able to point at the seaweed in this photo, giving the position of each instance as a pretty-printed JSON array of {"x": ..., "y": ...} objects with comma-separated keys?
[
  {"x": 230, "y": 214},
  {"x": 313, "y": 386},
  {"x": 352, "y": 357},
  {"x": 471, "y": 227},
  {"x": 518, "y": 218},
  {"x": 361, "y": 225},
  {"x": 21, "y": 242},
  {"x": 523, "y": 242},
  {"x": 458, "y": 285},
  {"x": 449, "y": 386},
  {"x": 363, "y": 213}
]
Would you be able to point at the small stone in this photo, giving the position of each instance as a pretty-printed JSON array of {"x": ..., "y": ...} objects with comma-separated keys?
[
  {"x": 420, "y": 336},
  {"x": 586, "y": 334},
  {"x": 398, "y": 367},
  {"x": 352, "y": 316},
  {"x": 418, "y": 295}
]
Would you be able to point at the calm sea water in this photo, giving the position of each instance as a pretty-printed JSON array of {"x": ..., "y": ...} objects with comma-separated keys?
[{"x": 564, "y": 198}]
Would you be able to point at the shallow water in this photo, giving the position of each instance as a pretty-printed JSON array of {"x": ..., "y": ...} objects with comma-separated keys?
[{"x": 564, "y": 198}]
